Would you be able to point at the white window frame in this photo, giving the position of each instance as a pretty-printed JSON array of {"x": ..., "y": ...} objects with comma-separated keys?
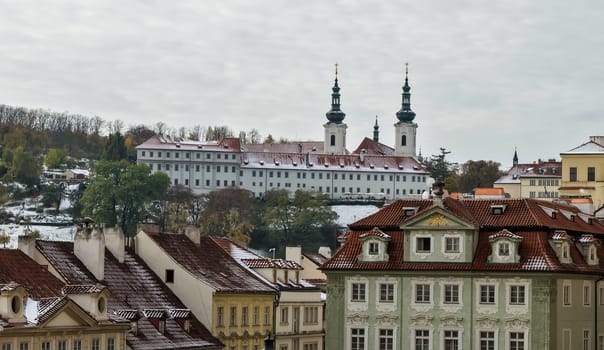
[
  {"x": 379, "y": 338},
  {"x": 567, "y": 294},
  {"x": 587, "y": 293},
  {"x": 458, "y": 338},
  {"x": 362, "y": 287},
  {"x": 390, "y": 292},
  {"x": 444, "y": 293},
  {"x": 520, "y": 288},
  {"x": 480, "y": 300}
]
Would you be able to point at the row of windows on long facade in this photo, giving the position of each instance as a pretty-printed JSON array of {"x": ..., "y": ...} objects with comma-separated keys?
[
  {"x": 310, "y": 314},
  {"x": 590, "y": 174},
  {"x": 64, "y": 344},
  {"x": 425, "y": 339}
]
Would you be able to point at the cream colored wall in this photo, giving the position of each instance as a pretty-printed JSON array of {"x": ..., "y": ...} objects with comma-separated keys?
[
  {"x": 582, "y": 162},
  {"x": 256, "y": 332},
  {"x": 310, "y": 270},
  {"x": 34, "y": 337},
  {"x": 512, "y": 189},
  {"x": 196, "y": 295}
]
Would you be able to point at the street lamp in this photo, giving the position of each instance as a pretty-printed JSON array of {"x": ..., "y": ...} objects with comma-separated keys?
[{"x": 272, "y": 250}]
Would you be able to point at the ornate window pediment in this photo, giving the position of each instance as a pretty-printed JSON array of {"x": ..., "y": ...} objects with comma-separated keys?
[
  {"x": 504, "y": 247},
  {"x": 375, "y": 246},
  {"x": 561, "y": 241}
]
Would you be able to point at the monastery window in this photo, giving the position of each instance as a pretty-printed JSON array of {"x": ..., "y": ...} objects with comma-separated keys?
[
  {"x": 110, "y": 344},
  {"x": 167, "y": 166},
  {"x": 208, "y": 156},
  {"x": 357, "y": 339},
  {"x": 175, "y": 182},
  {"x": 404, "y": 191},
  {"x": 96, "y": 344},
  {"x": 422, "y": 293},
  {"x": 233, "y": 170},
  {"x": 159, "y": 154},
  {"x": 217, "y": 183},
  {"x": 151, "y": 154},
  {"x": 566, "y": 294},
  {"x": 358, "y": 190},
  {"x": 304, "y": 175},
  {"x": 423, "y": 244},
  {"x": 451, "y": 340},
  {"x": 358, "y": 292},
  {"x": 335, "y": 190},
  {"x": 413, "y": 178},
  {"x": 451, "y": 244},
  {"x": 176, "y": 154},
  {"x": 240, "y": 173},
  {"x": 61, "y": 345},
  {"x": 386, "y": 339},
  {"x": 233, "y": 316},
  {"x": 350, "y": 176},
  {"x": 344, "y": 189},
  {"x": 368, "y": 190},
  {"x": 23, "y": 346},
  {"x": 422, "y": 339},
  {"x": 327, "y": 176},
  {"x": 382, "y": 177},
  {"x": 349, "y": 189},
  {"x": 332, "y": 140},
  {"x": 403, "y": 140},
  {"x": 591, "y": 174},
  {"x": 374, "y": 177},
  {"x": 207, "y": 183},
  {"x": 218, "y": 168},
  {"x": 286, "y": 175},
  {"x": 368, "y": 177},
  {"x": 487, "y": 340},
  {"x": 312, "y": 175},
  {"x": 517, "y": 295},
  {"x": 176, "y": 167},
  {"x": 386, "y": 292},
  {"x": 487, "y": 294},
  {"x": 226, "y": 169},
  {"x": 327, "y": 189},
  {"x": 46, "y": 346},
  {"x": 572, "y": 174},
  {"x": 167, "y": 154},
  {"x": 253, "y": 173},
  {"x": 451, "y": 294},
  {"x": 142, "y": 153},
  {"x": 359, "y": 177},
  {"x": 217, "y": 155},
  {"x": 311, "y": 346},
  {"x": 260, "y": 173}
]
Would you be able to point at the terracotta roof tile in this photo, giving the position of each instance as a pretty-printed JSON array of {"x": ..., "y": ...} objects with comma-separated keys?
[
  {"x": 522, "y": 219},
  {"x": 211, "y": 264},
  {"x": 17, "y": 267},
  {"x": 135, "y": 287},
  {"x": 316, "y": 258}
]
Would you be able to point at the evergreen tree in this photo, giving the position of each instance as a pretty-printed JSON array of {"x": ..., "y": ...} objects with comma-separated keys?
[{"x": 115, "y": 148}]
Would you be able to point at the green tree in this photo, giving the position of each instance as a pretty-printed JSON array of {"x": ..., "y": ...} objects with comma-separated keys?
[
  {"x": 438, "y": 166},
  {"x": 120, "y": 194},
  {"x": 305, "y": 220},
  {"x": 24, "y": 167},
  {"x": 230, "y": 212},
  {"x": 115, "y": 148},
  {"x": 478, "y": 173},
  {"x": 4, "y": 238},
  {"x": 55, "y": 157}
]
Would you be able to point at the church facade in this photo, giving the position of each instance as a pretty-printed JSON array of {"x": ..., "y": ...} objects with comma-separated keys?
[{"x": 372, "y": 171}]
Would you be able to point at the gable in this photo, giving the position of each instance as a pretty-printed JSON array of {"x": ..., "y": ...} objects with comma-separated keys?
[
  {"x": 437, "y": 218},
  {"x": 69, "y": 315}
]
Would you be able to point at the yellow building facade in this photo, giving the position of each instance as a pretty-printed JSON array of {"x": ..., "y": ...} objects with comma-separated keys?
[{"x": 583, "y": 172}]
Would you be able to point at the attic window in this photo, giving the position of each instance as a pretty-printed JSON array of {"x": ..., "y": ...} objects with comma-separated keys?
[
  {"x": 102, "y": 304},
  {"x": 245, "y": 162},
  {"x": 565, "y": 251},
  {"x": 326, "y": 165},
  {"x": 553, "y": 214},
  {"x": 295, "y": 163},
  {"x": 374, "y": 248},
  {"x": 277, "y": 163},
  {"x": 386, "y": 166},
  {"x": 15, "y": 304},
  {"x": 572, "y": 218},
  {"x": 261, "y": 162},
  {"x": 504, "y": 249},
  {"x": 178, "y": 145},
  {"x": 169, "y": 276},
  {"x": 225, "y": 146},
  {"x": 400, "y": 167},
  {"x": 409, "y": 211},
  {"x": 199, "y": 146},
  {"x": 497, "y": 209},
  {"x": 371, "y": 166}
]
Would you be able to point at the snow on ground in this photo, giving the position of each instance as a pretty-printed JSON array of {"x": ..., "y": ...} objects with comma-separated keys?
[{"x": 351, "y": 213}]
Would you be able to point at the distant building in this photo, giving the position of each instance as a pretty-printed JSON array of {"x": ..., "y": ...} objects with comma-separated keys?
[
  {"x": 373, "y": 170},
  {"x": 468, "y": 274},
  {"x": 311, "y": 262},
  {"x": 583, "y": 172},
  {"x": 300, "y": 307},
  {"x": 39, "y": 311},
  {"x": 539, "y": 180},
  {"x": 155, "y": 317},
  {"x": 234, "y": 303}
]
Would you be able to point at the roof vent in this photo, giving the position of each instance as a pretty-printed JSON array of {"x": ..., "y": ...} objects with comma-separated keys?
[
  {"x": 261, "y": 162},
  {"x": 178, "y": 145},
  {"x": 409, "y": 211},
  {"x": 199, "y": 146},
  {"x": 225, "y": 146},
  {"x": 371, "y": 166},
  {"x": 400, "y": 166},
  {"x": 295, "y": 163},
  {"x": 277, "y": 163},
  {"x": 314, "y": 148},
  {"x": 326, "y": 165},
  {"x": 415, "y": 167},
  {"x": 357, "y": 165},
  {"x": 385, "y": 166},
  {"x": 245, "y": 162},
  {"x": 341, "y": 165},
  {"x": 311, "y": 164}
]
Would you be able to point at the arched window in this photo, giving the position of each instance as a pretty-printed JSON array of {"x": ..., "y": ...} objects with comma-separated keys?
[
  {"x": 332, "y": 141},
  {"x": 404, "y": 140}
]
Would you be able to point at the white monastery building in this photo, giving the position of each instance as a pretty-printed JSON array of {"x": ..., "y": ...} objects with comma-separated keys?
[{"x": 372, "y": 170}]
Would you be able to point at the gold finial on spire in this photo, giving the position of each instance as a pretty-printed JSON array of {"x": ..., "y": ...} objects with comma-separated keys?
[{"x": 336, "y": 70}]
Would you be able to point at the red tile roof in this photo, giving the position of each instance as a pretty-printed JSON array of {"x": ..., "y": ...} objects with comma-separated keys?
[
  {"x": 211, "y": 264},
  {"x": 17, "y": 267},
  {"x": 134, "y": 288},
  {"x": 374, "y": 148},
  {"x": 525, "y": 218}
]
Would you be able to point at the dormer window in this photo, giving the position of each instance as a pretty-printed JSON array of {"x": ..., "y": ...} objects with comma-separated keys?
[
  {"x": 423, "y": 244},
  {"x": 374, "y": 248},
  {"x": 560, "y": 241},
  {"x": 505, "y": 247},
  {"x": 587, "y": 246},
  {"x": 452, "y": 245},
  {"x": 565, "y": 251},
  {"x": 409, "y": 211},
  {"x": 498, "y": 209}
]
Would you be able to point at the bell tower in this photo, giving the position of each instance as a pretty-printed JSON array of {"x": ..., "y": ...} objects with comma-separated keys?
[
  {"x": 405, "y": 129},
  {"x": 335, "y": 129}
]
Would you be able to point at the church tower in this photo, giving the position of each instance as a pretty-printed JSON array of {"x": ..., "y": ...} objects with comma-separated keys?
[
  {"x": 376, "y": 131},
  {"x": 405, "y": 129},
  {"x": 335, "y": 129}
]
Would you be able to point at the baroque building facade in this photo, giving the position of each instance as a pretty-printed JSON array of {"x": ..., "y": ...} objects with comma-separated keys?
[
  {"x": 468, "y": 274},
  {"x": 372, "y": 170}
]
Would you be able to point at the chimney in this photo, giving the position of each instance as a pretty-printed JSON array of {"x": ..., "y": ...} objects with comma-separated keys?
[
  {"x": 89, "y": 248},
  {"x": 114, "y": 241},
  {"x": 27, "y": 245},
  {"x": 193, "y": 233},
  {"x": 325, "y": 251},
  {"x": 362, "y": 155},
  {"x": 597, "y": 139},
  {"x": 294, "y": 254}
]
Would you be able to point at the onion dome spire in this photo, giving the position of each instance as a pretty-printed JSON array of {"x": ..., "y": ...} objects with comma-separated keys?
[
  {"x": 515, "y": 159},
  {"x": 376, "y": 130},
  {"x": 405, "y": 114},
  {"x": 335, "y": 114}
]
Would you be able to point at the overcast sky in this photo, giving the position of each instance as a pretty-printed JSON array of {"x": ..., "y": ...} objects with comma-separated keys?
[{"x": 485, "y": 76}]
